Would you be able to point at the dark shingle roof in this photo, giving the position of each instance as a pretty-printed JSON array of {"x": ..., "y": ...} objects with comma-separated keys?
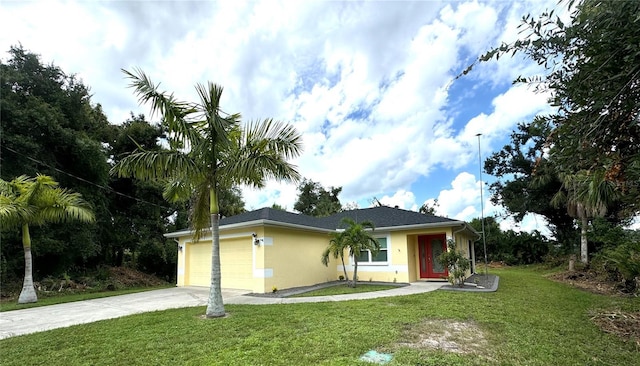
[
  {"x": 385, "y": 216},
  {"x": 271, "y": 214},
  {"x": 380, "y": 216}
]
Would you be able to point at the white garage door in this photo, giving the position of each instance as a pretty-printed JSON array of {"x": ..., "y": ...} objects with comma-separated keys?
[{"x": 235, "y": 259}]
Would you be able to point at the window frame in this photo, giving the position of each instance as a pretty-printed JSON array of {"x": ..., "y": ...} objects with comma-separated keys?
[{"x": 370, "y": 262}]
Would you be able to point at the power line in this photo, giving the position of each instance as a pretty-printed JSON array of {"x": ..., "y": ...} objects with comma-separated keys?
[{"x": 106, "y": 188}]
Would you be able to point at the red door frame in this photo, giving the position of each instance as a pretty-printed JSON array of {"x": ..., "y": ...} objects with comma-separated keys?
[{"x": 425, "y": 254}]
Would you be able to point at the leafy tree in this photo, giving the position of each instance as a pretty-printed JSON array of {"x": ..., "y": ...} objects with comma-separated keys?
[
  {"x": 28, "y": 201},
  {"x": 510, "y": 246},
  {"x": 355, "y": 238},
  {"x": 594, "y": 81},
  {"x": 315, "y": 200},
  {"x": 231, "y": 202},
  {"x": 208, "y": 150},
  {"x": 429, "y": 208},
  {"x": 516, "y": 165},
  {"x": 350, "y": 206},
  {"x": 493, "y": 236},
  {"x": 139, "y": 214},
  {"x": 50, "y": 127},
  {"x": 276, "y": 206}
]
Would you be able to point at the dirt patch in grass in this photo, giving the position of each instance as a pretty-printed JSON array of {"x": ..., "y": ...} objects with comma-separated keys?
[
  {"x": 587, "y": 280},
  {"x": 446, "y": 335},
  {"x": 625, "y": 325}
]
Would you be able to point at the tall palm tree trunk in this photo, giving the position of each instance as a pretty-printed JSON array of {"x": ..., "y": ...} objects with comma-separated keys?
[
  {"x": 584, "y": 249},
  {"x": 28, "y": 293},
  {"x": 344, "y": 268},
  {"x": 355, "y": 271},
  {"x": 215, "y": 305}
]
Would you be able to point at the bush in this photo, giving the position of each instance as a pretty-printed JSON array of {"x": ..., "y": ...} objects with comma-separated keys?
[
  {"x": 456, "y": 262},
  {"x": 622, "y": 263}
]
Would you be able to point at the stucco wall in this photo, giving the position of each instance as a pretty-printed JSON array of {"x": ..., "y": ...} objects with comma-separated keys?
[
  {"x": 288, "y": 257},
  {"x": 293, "y": 258}
]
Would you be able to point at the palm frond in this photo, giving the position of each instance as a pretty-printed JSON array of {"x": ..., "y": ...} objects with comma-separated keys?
[
  {"x": 261, "y": 153},
  {"x": 63, "y": 206},
  {"x": 215, "y": 128},
  {"x": 13, "y": 214},
  {"x": 156, "y": 165},
  {"x": 200, "y": 214},
  {"x": 177, "y": 190},
  {"x": 274, "y": 136},
  {"x": 174, "y": 112},
  {"x": 40, "y": 200}
]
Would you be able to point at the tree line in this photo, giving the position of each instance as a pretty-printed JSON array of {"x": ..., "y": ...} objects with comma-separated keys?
[
  {"x": 579, "y": 166},
  {"x": 50, "y": 126}
]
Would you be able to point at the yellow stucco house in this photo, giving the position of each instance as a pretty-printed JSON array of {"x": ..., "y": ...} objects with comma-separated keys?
[{"x": 268, "y": 248}]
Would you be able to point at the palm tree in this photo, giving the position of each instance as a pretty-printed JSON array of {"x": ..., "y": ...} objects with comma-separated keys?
[
  {"x": 336, "y": 249},
  {"x": 209, "y": 151},
  {"x": 356, "y": 239},
  {"x": 28, "y": 201},
  {"x": 586, "y": 195}
]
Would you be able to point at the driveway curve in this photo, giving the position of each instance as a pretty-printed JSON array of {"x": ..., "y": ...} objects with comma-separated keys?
[{"x": 19, "y": 322}]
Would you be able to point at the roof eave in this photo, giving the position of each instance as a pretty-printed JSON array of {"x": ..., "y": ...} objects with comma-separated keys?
[
  {"x": 422, "y": 226},
  {"x": 178, "y": 234},
  {"x": 260, "y": 222}
]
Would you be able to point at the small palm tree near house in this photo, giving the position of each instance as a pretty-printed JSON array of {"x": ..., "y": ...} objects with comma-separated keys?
[
  {"x": 209, "y": 150},
  {"x": 336, "y": 250},
  {"x": 26, "y": 201},
  {"x": 357, "y": 239}
]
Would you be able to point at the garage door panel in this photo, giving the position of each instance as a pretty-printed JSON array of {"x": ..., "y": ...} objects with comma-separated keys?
[
  {"x": 198, "y": 271},
  {"x": 236, "y": 264}
]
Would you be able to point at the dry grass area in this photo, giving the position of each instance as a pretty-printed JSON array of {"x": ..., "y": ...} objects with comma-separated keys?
[
  {"x": 128, "y": 277},
  {"x": 625, "y": 325},
  {"x": 586, "y": 280},
  {"x": 446, "y": 335}
]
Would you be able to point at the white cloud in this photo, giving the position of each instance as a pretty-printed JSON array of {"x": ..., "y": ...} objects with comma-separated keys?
[
  {"x": 402, "y": 199},
  {"x": 529, "y": 223},
  {"x": 517, "y": 104},
  {"x": 462, "y": 201},
  {"x": 366, "y": 83}
]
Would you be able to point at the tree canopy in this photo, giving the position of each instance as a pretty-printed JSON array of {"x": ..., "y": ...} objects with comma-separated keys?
[
  {"x": 585, "y": 155},
  {"x": 50, "y": 126},
  {"x": 593, "y": 77},
  {"x": 315, "y": 200}
]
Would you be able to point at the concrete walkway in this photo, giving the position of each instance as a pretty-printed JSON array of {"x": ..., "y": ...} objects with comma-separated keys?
[{"x": 19, "y": 322}]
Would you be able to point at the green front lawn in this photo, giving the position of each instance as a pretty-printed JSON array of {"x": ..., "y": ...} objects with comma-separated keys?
[
  {"x": 528, "y": 321},
  {"x": 342, "y": 289}
]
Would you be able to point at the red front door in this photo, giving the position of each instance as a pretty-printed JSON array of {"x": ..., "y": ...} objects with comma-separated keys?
[{"x": 429, "y": 248}]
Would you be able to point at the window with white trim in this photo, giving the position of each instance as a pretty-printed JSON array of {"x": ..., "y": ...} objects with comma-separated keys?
[{"x": 381, "y": 257}]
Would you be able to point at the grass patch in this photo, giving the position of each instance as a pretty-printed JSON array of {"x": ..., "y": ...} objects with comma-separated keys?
[
  {"x": 53, "y": 298},
  {"x": 342, "y": 289},
  {"x": 530, "y": 320}
]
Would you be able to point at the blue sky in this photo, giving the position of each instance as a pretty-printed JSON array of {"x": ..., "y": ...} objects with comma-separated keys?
[{"x": 368, "y": 84}]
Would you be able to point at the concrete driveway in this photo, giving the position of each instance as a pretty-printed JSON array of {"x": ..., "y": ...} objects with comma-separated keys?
[{"x": 19, "y": 322}]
